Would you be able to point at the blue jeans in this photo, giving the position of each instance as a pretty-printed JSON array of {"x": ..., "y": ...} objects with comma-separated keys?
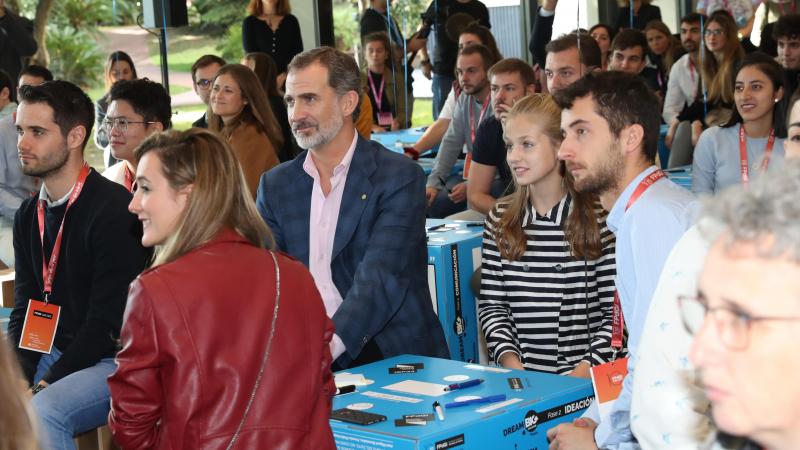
[
  {"x": 441, "y": 88},
  {"x": 442, "y": 206},
  {"x": 72, "y": 405}
]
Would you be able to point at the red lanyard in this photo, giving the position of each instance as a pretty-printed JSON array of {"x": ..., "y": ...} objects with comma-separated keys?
[
  {"x": 617, "y": 320},
  {"x": 129, "y": 183},
  {"x": 643, "y": 186},
  {"x": 794, "y": 6},
  {"x": 376, "y": 94},
  {"x": 617, "y": 324},
  {"x": 692, "y": 70},
  {"x": 743, "y": 165},
  {"x": 49, "y": 267},
  {"x": 485, "y": 106}
]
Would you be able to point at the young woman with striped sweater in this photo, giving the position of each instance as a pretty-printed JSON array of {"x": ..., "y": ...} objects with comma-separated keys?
[{"x": 547, "y": 277}]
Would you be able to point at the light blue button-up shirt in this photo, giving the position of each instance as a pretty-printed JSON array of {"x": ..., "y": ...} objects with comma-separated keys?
[{"x": 645, "y": 234}]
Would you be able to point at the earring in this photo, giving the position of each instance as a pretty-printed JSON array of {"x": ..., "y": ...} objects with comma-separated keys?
[{"x": 777, "y": 100}]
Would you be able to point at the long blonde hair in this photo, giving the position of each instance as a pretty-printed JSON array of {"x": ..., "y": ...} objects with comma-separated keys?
[
  {"x": 219, "y": 197},
  {"x": 581, "y": 230},
  {"x": 17, "y": 429}
]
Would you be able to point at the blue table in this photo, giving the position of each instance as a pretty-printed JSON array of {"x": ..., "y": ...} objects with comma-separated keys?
[
  {"x": 682, "y": 176},
  {"x": 539, "y": 402},
  {"x": 4, "y": 316},
  {"x": 396, "y": 140}
]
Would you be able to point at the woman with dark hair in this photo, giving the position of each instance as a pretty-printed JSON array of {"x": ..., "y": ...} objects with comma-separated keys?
[
  {"x": 264, "y": 67},
  {"x": 239, "y": 112},
  {"x": 220, "y": 331},
  {"x": 544, "y": 246},
  {"x": 384, "y": 87},
  {"x": 272, "y": 29},
  {"x": 751, "y": 142},
  {"x": 475, "y": 33},
  {"x": 603, "y": 35},
  {"x": 119, "y": 66}
]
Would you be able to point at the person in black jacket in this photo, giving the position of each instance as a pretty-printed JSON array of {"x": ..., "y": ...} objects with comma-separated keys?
[
  {"x": 16, "y": 41},
  {"x": 542, "y": 31},
  {"x": 272, "y": 29},
  {"x": 74, "y": 276},
  {"x": 379, "y": 18},
  {"x": 441, "y": 14},
  {"x": 643, "y": 13}
]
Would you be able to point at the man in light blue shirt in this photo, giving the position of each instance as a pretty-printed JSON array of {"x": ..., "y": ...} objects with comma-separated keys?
[{"x": 611, "y": 123}]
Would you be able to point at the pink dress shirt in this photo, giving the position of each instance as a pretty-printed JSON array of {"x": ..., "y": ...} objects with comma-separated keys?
[{"x": 322, "y": 230}]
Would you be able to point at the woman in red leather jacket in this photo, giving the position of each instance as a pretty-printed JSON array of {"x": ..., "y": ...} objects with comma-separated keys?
[{"x": 224, "y": 343}]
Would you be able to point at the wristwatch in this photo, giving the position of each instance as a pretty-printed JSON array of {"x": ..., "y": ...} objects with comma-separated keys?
[{"x": 38, "y": 388}]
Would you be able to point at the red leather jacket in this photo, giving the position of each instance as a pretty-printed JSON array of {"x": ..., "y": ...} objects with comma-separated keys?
[{"x": 194, "y": 335}]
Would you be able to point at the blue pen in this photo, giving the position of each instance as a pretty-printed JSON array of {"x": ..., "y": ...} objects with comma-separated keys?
[
  {"x": 476, "y": 401},
  {"x": 464, "y": 385}
]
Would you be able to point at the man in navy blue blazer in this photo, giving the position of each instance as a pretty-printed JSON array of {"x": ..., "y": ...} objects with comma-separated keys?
[{"x": 354, "y": 213}]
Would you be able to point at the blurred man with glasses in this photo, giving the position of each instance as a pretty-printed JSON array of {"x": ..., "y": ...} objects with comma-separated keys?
[
  {"x": 138, "y": 109},
  {"x": 203, "y": 71},
  {"x": 669, "y": 401},
  {"x": 745, "y": 316}
]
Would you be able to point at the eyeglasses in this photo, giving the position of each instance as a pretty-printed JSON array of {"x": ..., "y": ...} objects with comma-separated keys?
[
  {"x": 717, "y": 32},
  {"x": 121, "y": 123},
  {"x": 733, "y": 325},
  {"x": 203, "y": 83}
]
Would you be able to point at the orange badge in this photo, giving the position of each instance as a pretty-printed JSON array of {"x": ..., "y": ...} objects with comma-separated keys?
[{"x": 39, "y": 329}]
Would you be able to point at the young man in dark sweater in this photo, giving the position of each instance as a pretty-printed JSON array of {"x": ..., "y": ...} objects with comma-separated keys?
[
  {"x": 72, "y": 277},
  {"x": 489, "y": 176}
]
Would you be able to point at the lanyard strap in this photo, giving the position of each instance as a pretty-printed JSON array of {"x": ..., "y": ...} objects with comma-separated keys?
[
  {"x": 472, "y": 127},
  {"x": 794, "y": 6},
  {"x": 49, "y": 267},
  {"x": 376, "y": 94},
  {"x": 617, "y": 319},
  {"x": 617, "y": 324},
  {"x": 643, "y": 186},
  {"x": 743, "y": 164},
  {"x": 129, "y": 182}
]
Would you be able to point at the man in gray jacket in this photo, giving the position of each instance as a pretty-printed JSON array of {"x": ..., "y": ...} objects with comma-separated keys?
[{"x": 446, "y": 192}]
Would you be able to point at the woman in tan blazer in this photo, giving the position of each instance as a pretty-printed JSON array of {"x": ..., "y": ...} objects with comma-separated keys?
[{"x": 238, "y": 110}]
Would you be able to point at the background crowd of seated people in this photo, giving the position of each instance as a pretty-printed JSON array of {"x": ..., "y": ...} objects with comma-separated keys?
[{"x": 286, "y": 165}]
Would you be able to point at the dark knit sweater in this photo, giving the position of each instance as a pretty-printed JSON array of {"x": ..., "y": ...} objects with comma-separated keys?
[{"x": 101, "y": 253}]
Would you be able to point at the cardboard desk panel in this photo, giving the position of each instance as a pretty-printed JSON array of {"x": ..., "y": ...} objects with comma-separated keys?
[
  {"x": 519, "y": 422},
  {"x": 454, "y": 253}
]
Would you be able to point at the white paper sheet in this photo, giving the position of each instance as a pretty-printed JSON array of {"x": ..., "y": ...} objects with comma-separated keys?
[
  {"x": 347, "y": 379},
  {"x": 418, "y": 387}
]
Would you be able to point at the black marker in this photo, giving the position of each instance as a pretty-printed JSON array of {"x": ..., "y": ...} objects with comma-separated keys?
[{"x": 345, "y": 389}]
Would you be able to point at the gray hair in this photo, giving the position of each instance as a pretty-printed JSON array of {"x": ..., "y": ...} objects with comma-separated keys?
[
  {"x": 769, "y": 208},
  {"x": 343, "y": 73}
]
